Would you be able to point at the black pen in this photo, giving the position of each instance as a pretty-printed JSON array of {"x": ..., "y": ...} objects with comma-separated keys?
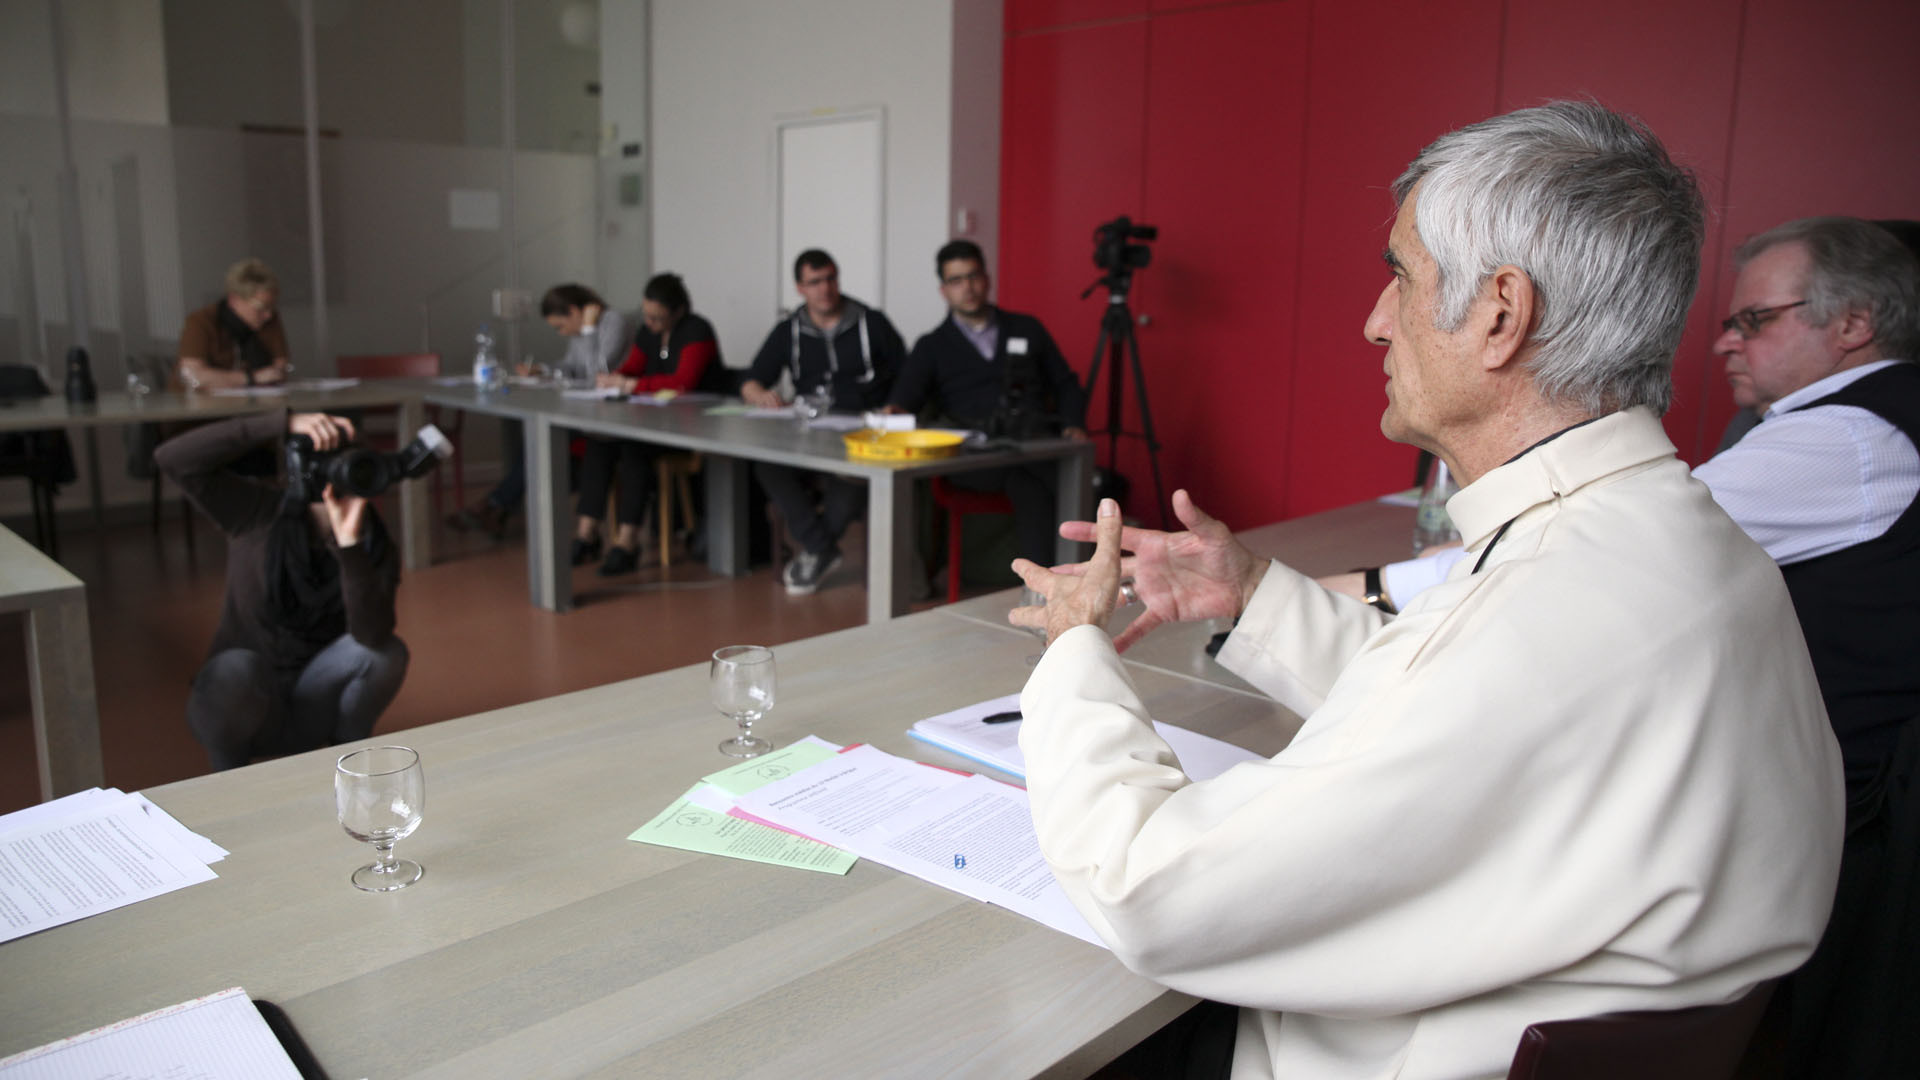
[{"x": 1001, "y": 717}]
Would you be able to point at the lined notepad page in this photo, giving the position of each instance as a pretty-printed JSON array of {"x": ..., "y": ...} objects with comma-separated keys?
[{"x": 218, "y": 1037}]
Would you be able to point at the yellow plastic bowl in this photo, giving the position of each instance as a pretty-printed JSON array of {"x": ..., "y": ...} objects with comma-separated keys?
[{"x": 902, "y": 445}]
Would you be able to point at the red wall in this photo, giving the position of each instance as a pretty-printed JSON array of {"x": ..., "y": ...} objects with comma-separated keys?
[{"x": 1262, "y": 138}]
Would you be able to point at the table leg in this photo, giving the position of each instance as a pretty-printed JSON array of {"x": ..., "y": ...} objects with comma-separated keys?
[
  {"x": 549, "y": 564},
  {"x": 1074, "y": 488},
  {"x": 889, "y": 545},
  {"x": 66, "y": 714},
  {"x": 729, "y": 532},
  {"x": 416, "y": 500},
  {"x": 92, "y": 439}
]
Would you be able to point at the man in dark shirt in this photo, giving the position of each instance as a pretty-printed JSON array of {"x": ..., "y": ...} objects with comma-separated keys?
[
  {"x": 836, "y": 345},
  {"x": 305, "y": 655},
  {"x": 999, "y": 372}
]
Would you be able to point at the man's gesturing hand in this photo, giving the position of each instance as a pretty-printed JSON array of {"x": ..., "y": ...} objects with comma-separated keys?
[
  {"x": 1084, "y": 597},
  {"x": 1201, "y": 573}
]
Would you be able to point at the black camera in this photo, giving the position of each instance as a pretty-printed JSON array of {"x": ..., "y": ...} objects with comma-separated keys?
[
  {"x": 1112, "y": 249},
  {"x": 357, "y": 470}
]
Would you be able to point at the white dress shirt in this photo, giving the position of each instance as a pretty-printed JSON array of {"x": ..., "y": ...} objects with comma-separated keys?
[
  {"x": 1596, "y": 776},
  {"x": 1811, "y": 482},
  {"x": 1802, "y": 484}
]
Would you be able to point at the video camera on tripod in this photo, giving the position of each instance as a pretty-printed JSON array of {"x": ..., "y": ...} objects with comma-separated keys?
[{"x": 1115, "y": 251}]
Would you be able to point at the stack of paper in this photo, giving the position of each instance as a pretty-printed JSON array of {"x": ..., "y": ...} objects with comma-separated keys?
[
  {"x": 90, "y": 852},
  {"x": 966, "y": 833},
  {"x": 701, "y": 820},
  {"x": 963, "y": 732}
]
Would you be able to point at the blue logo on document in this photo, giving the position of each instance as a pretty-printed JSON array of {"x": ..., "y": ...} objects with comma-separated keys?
[{"x": 959, "y": 862}]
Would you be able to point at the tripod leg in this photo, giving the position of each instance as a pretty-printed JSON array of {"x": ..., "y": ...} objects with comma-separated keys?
[{"x": 1146, "y": 423}]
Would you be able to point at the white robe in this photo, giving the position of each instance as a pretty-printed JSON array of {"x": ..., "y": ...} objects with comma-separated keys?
[{"x": 1595, "y": 776}]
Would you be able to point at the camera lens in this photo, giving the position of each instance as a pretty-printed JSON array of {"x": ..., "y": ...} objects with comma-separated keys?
[{"x": 358, "y": 471}]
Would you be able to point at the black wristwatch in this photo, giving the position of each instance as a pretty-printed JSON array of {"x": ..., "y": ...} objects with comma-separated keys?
[{"x": 1373, "y": 593}]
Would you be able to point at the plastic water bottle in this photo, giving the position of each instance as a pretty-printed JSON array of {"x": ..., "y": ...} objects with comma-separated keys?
[
  {"x": 487, "y": 373},
  {"x": 1431, "y": 525}
]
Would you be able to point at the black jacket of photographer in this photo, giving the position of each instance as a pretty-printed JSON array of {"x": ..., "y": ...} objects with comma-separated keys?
[
  {"x": 1026, "y": 371},
  {"x": 322, "y": 590},
  {"x": 859, "y": 358}
]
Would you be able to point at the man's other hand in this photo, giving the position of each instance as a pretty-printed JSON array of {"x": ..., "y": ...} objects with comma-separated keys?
[
  {"x": 1201, "y": 573},
  {"x": 1084, "y": 597},
  {"x": 759, "y": 396}
]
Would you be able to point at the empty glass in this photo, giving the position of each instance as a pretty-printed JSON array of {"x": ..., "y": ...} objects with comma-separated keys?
[
  {"x": 815, "y": 403},
  {"x": 742, "y": 680},
  {"x": 380, "y": 794}
]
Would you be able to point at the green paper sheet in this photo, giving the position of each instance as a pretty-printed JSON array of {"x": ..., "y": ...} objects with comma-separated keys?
[
  {"x": 690, "y": 827},
  {"x": 755, "y": 773}
]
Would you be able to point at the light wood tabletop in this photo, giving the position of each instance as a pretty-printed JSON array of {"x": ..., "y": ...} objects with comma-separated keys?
[{"x": 541, "y": 942}]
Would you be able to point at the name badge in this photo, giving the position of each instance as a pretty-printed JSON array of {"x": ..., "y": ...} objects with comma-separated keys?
[{"x": 1017, "y": 346}]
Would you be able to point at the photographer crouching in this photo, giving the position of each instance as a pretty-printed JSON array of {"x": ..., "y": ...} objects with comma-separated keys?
[{"x": 305, "y": 655}]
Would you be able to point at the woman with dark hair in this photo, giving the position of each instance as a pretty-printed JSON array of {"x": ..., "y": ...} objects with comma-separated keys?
[
  {"x": 596, "y": 340},
  {"x": 675, "y": 351}
]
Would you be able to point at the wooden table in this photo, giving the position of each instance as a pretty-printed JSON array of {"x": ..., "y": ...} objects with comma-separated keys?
[
  {"x": 731, "y": 444},
  {"x": 541, "y": 942},
  {"x": 66, "y": 715}
]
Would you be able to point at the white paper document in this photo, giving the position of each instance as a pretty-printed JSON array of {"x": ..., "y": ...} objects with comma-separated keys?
[
  {"x": 966, "y": 833},
  {"x": 90, "y": 853},
  {"x": 218, "y": 1037},
  {"x": 961, "y": 731}
]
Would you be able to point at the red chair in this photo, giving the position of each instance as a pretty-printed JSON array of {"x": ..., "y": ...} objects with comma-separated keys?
[
  {"x": 1702, "y": 1043},
  {"x": 416, "y": 366},
  {"x": 958, "y": 503}
]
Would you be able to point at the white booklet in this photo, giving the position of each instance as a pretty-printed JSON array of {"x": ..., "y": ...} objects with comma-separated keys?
[
  {"x": 966, "y": 732},
  {"x": 218, "y": 1037},
  {"x": 966, "y": 833}
]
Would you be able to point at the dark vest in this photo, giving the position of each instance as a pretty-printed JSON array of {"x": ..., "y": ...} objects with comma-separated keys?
[{"x": 1860, "y": 606}]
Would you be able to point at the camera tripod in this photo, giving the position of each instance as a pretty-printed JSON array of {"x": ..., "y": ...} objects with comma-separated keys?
[{"x": 1118, "y": 344}]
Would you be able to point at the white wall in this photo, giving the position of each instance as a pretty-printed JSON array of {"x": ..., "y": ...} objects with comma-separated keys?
[
  {"x": 975, "y": 147},
  {"x": 723, "y": 70},
  {"x": 626, "y": 232}
]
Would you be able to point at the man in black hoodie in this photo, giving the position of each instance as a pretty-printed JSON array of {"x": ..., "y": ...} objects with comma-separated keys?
[{"x": 836, "y": 344}]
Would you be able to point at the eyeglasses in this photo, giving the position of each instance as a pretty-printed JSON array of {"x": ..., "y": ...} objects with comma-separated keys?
[
  {"x": 962, "y": 279},
  {"x": 1749, "y": 322}
]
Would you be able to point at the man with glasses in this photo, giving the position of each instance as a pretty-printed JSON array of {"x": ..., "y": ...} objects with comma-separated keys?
[
  {"x": 999, "y": 372},
  {"x": 1824, "y": 327},
  {"x": 237, "y": 340}
]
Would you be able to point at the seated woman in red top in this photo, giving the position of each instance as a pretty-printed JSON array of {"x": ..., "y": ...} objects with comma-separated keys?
[{"x": 674, "y": 350}]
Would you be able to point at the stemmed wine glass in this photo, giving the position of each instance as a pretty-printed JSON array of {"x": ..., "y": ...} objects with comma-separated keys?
[
  {"x": 381, "y": 794},
  {"x": 741, "y": 681}
]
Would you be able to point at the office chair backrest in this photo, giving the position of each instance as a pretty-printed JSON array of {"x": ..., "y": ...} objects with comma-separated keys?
[
  {"x": 389, "y": 366},
  {"x": 1702, "y": 1043}
]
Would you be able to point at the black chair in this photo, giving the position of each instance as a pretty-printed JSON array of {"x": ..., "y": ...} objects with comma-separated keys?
[
  {"x": 1706, "y": 1042},
  {"x": 43, "y": 458}
]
